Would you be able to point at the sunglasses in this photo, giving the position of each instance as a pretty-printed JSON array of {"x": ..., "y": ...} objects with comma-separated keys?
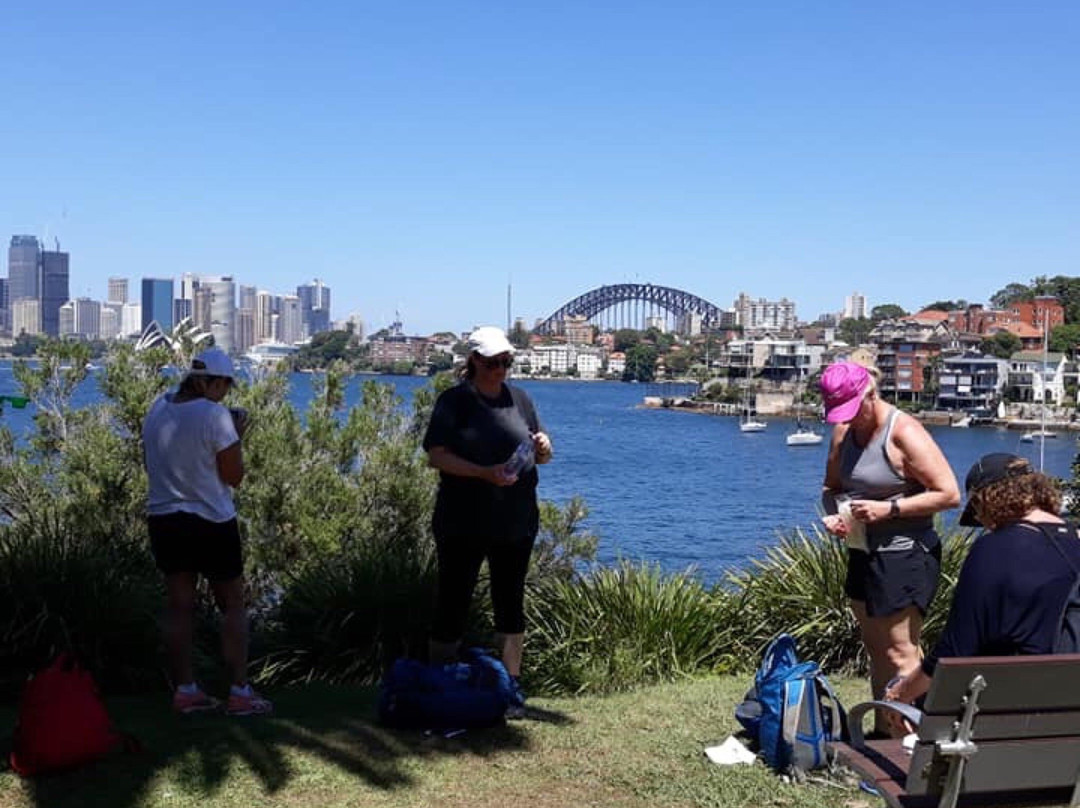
[{"x": 493, "y": 362}]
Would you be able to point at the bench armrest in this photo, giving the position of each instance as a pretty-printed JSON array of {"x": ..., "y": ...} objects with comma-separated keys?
[{"x": 856, "y": 713}]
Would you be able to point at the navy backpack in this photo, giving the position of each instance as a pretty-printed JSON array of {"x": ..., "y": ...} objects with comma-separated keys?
[{"x": 469, "y": 694}]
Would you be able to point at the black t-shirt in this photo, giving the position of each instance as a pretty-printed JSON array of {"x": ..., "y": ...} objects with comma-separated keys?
[
  {"x": 1010, "y": 594},
  {"x": 485, "y": 431}
]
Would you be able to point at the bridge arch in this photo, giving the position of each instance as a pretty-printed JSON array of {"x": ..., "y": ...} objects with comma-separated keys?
[{"x": 627, "y": 305}]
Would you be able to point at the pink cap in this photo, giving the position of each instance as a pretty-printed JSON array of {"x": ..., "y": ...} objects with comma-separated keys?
[{"x": 842, "y": 388}]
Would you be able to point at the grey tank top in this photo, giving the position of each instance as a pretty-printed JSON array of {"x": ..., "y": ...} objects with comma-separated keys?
[{"x": 867, "y": 473}]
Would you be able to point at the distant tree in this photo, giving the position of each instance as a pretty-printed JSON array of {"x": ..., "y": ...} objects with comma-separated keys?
[
  {"x": 1013, "y": 293},
  {"x": 439, "y": 361},
  {"x": 25, "y": 345},
  {"x": 886, "y": 311},
  {"x": 519, "y": 335},
  {"x": 1065, "y": 338},
  {"x": 1065, "y": 289},
  {"x": 855, "y": 330},
  {"x": 946, "y": 305},
  {"x": 626, "y": 338},
  {"x": 641, "y": 363},
  {"x": 677, "y": 363},
  {"x": 1003, "y": 344}
]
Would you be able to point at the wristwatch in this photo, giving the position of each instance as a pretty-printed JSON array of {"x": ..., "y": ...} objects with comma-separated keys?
[{"x": 894, "y": 509}]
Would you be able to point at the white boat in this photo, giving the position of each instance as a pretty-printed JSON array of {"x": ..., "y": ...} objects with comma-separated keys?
[
  {"x": 269, "y": 353},
  {"x": 1037, "y": 434},
  {"x": 963, "y": 422},
  {"x": 747, "y": 422},
  {"x": 803, "y": 436}
]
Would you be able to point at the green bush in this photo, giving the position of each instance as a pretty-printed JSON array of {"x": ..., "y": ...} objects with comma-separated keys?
[
  {"x": 798, "y": 587},
  {"x": 620, "y": 627},
  {"x": 64, "y": 592}
]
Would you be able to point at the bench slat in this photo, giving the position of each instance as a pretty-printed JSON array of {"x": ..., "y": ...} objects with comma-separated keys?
[
  {"x": 883, "y": 764},
  {"x": 1004, "y": 726},
  {"x": 1014, "y": 684},
  {"x": 1001, "y": 766}
]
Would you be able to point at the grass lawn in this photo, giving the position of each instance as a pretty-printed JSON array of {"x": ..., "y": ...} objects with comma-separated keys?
[{"x": 323, "y": 748}]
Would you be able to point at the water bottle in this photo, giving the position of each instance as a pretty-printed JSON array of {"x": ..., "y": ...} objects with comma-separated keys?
[{"x": 522, "y": 456}]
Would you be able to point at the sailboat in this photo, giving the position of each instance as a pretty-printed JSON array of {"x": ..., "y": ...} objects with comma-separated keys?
[
  {"x": 747, "y": 422},
  {"x": 803, "y": 435},
  {"x": 1042, "y": 433}
]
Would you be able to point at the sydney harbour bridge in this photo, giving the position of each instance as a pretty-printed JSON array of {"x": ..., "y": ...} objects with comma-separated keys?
[{"x": 636, "y": 305}]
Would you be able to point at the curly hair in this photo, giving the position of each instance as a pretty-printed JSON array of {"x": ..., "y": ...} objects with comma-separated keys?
[{"x": 1009, "y": 500}]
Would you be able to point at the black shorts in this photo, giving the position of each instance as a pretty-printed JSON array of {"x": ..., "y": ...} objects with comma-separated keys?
[
  {"x": 184, "y": 542},
  {"x": 889, "y": 581}
]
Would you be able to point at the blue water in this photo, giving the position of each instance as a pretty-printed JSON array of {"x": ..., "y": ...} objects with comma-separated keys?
[{"x": 679, "y": 488}]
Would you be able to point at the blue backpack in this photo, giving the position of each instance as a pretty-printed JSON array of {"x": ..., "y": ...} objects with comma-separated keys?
[
  {"x": 464, "y": 695},
  {"x": 791, "y": 711}
]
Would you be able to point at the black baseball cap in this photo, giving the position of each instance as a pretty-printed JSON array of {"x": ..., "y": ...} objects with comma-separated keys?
[{"x": 990, "y": 469}]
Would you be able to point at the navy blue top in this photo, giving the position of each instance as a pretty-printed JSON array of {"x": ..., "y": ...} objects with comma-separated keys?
[
  {"x": 485, "y": 431},
  {"x": 1011, "y": 594}
]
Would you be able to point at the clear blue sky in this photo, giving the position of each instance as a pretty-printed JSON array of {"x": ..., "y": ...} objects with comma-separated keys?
[{"x": 420, "y": 156}]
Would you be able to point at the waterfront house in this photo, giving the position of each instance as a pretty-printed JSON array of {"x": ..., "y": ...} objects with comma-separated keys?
[
  {"x": 971, "y": 381},
  {"x": 905, "y": 348},
  {"x": 1037, "y": 376}
]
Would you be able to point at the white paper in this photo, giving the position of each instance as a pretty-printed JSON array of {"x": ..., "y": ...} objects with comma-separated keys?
[
  {"x": 730, "y": 752},
  {"x": 856, "y": 530}
]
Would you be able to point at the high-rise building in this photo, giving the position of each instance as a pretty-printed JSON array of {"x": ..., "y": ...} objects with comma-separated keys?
[
  {"x": 290, "y": 320},
  {"x": 247, "y": 297},
  {"x": 157, "y": 303},
  {"x": 222, "y": 310},
  {"x": 26, "y": 317},
  {"x": 855, "y": 307},
  {"x": 184, "y": 305},
  {"x": 131, "y": 320},
  {"x": 314, "y": 307},
  {"x": 80, "y": 318},
  {"x": 54, "y": 289},
  {"x": 118, "y": 290},
  {"x": 111, "y": 314},
  {"x": 245, "y": 329},
  {"x": 264, "y": 317},
  {"x": 201, "y": 314},
  {"x": 773, "y": 315},
  {"x": 5, "y": 308},
  {"x": 24, "y": 268}
]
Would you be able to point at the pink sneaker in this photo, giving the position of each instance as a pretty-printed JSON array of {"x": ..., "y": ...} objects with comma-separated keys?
[
  {"x": 197, "y": 702},
  {"x": 249, "y": 703}
]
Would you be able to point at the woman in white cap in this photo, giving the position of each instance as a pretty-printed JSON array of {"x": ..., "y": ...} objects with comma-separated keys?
[
  {"x": 191, "y": 445},
  {"x": 486, "y": 440},
  {"x": 1013, "y": 593}
]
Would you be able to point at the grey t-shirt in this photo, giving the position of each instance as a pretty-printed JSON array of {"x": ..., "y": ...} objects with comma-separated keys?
[{"x": 485, "y": 431}]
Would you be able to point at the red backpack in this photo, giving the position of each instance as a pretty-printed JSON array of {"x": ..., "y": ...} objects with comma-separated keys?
[{"x": 62, "y": 722}]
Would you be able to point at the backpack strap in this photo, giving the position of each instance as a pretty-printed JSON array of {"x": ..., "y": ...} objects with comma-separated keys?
[
  {"x": 836, "y": 724},
  {"x": 1050, "y": 536}
]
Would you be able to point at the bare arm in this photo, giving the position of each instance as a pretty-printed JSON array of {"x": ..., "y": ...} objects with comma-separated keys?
[
  {"x": 230, "y": 465},
  {"x": 444, "y": 460},
  {"x": 542, "y": 447}
]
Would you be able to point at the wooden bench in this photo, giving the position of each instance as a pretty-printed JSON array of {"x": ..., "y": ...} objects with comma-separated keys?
[{"x": 994, "y": 731}]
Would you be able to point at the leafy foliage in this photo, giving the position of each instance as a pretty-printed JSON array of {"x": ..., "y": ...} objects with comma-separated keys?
[
  {"x": 1003, "y": 344},
  {"x": 620, "y": 627}
]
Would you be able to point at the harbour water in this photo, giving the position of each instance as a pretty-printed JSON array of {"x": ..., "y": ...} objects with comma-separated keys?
[{"x": 681, "y": 489}]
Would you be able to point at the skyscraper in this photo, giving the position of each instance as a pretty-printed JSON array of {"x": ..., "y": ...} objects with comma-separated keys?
[
  {"x": 118, "y": 290},
  {"x": 222, "y": 310},
  {"x": 24, "y": 261},
  {"x": 157, "y": 303},
  {"x": 855, "y": 306},
  {"x": 290, "y": 320},
  {"x": 314, "y": 307},
  {"x": 54, "y": 289},
  {"x": 5, "y": 308}
]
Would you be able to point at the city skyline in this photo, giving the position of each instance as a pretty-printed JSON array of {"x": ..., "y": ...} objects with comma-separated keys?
[{"x": 420, "y": 159}]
